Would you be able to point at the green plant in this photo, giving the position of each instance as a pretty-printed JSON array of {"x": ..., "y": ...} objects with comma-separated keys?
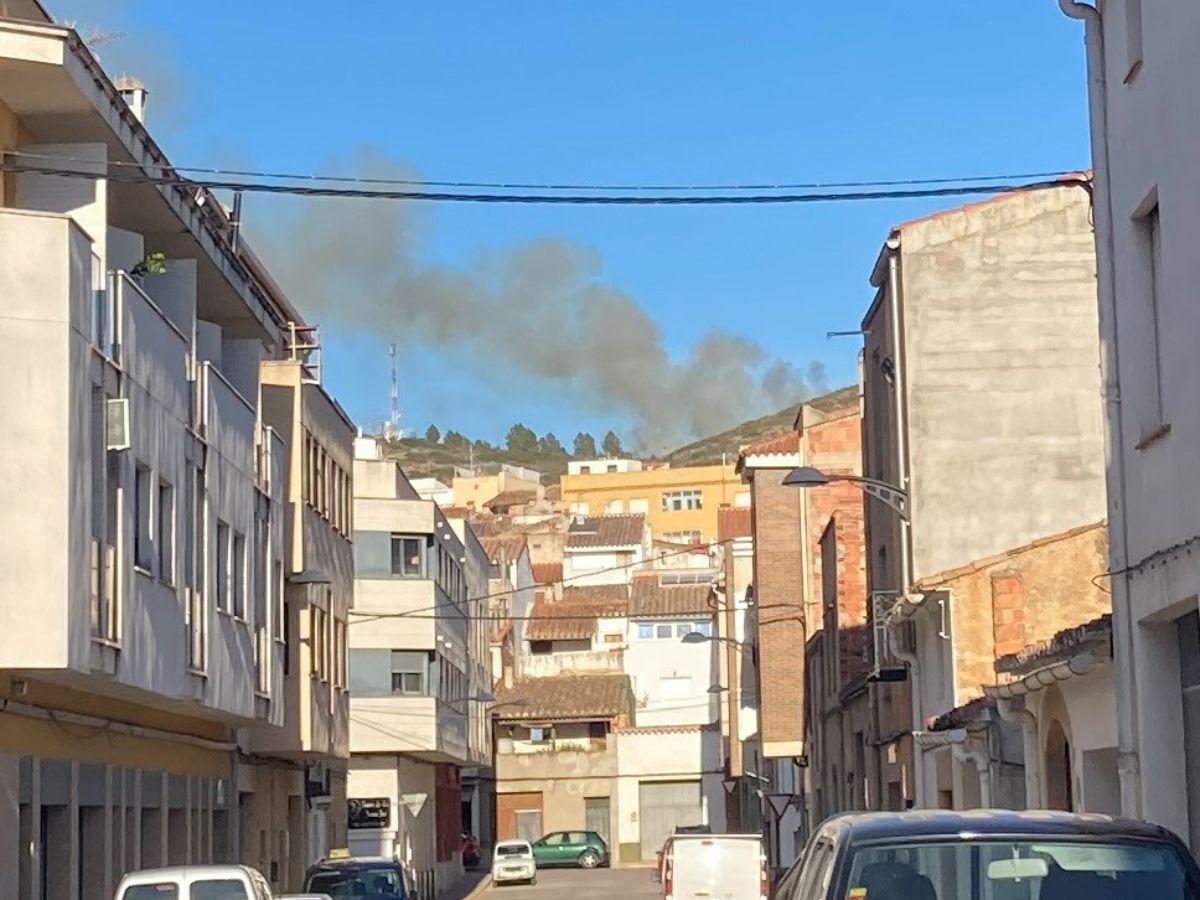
[{"x": 153, "y": 264}]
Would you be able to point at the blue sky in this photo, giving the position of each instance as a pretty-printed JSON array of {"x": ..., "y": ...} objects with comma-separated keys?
[{"x": 619, "y": 91}]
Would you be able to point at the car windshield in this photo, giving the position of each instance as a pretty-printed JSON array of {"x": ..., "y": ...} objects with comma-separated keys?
[
  {"x": 512, "y": 850},
  {"x": 1018, "y": 870},
  {"x": 366, "y": 883}
]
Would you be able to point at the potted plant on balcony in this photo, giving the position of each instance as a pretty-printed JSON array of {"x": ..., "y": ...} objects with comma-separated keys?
[{"x": 152, "y": 264}]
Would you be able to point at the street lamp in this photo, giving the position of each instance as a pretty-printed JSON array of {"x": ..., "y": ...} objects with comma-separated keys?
[
  {"x": 698, "y": 637},
  {"x": 807, "y": 476}
]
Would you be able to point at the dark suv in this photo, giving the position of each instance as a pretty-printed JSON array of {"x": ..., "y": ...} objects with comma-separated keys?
[{"x": 585, "y": 849}]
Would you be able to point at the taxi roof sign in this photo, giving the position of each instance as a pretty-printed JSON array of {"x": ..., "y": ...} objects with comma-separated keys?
[{"x": 339, "y": 853}]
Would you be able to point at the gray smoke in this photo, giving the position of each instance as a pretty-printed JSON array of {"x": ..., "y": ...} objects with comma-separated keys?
[{"x": 540, "y": 308}]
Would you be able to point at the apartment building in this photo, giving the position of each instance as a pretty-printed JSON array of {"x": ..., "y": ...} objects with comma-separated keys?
[
  {"x": 680, "y": 505},
  {"x": 473, "y": 486},
  {"x": 418, "y": 676},
  {"x": 981, "y": 386},
  {"x": 149, "y": 503},
  {"x": 1144, "y": 142}
]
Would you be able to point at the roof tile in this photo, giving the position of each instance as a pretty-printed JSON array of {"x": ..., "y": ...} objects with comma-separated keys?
[
  {"x": 783, "y": 443},
  {"x": 606, "y": 531},
  {"x": 573, "y": 618},
  {"x": 649, "y": 599},
  {"x": 566, "y": 697},
  {"x": 733, "y": 522}
]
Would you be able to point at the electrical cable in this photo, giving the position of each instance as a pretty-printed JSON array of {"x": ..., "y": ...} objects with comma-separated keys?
[
  {"x": 558, "y": 186},
  {"x": 980, "y": 188}
]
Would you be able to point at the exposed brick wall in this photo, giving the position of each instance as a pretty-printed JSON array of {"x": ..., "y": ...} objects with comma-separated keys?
[
  {"x": 779, "y": 600},
  {"x": 1008, "y": 613}
]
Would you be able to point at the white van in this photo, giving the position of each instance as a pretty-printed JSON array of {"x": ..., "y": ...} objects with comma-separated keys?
[
  {"x": 195, "y": 883},
  {"x": 513, "y": 862},
  {"x": 714, "y": 867}
]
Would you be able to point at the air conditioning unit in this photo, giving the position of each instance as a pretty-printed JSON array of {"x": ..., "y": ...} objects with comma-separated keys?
[{"x": 116, "y": 424}]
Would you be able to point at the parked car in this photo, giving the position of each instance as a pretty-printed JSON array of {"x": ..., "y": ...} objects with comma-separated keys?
[
  {"x": 983, "y": 855},
  {"x": 195, "y": 883},
  {"x": 585, "y": 849},
  {"x": 349, "y": 877},
  {"x": 513, "y": 862},
  {"x": 714, "y": 865}
]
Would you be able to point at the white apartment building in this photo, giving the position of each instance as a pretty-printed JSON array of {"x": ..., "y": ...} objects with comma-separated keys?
[
  {"x": 418, "y": 675},
  {"x": 147, "y": 504},
  {"x": 1145, "y": 137}
]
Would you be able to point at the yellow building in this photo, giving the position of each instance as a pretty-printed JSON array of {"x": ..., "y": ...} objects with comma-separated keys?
[{"x": 680, "y": 504}]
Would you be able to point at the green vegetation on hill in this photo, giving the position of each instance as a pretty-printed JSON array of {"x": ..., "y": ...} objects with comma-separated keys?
[{"x": 422, "y": 457}]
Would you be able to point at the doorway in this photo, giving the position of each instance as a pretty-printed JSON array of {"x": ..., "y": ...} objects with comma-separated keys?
[{"x": 596, "y": 816}]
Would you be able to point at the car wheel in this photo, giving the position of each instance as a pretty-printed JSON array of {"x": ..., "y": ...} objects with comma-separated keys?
[{"x": 589, "y": 859}]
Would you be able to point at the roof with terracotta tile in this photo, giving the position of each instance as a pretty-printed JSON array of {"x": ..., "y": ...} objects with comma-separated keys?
[
  {"x": 734, "y": 522},
  {"x": 1064, "y": 180},
  {"x": 650, "y": 599},
  {"x": 573, "y": 618},
  {"x": 547, "y": 573},
  {"x": 962, "y": 716},
  {"x": 456, "y": 512},
  {"x": 508, "y": 545},
  {"x": 606, "y": 531},
  {"x": 506, "y": 499},
  {"x": 782, "y": 443},
  {"x": 1068, "y": 642},
  {"x": 565, "y": 698}
]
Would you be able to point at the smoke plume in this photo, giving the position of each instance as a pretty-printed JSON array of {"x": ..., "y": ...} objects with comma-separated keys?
[{"x": 541, "y": 308}]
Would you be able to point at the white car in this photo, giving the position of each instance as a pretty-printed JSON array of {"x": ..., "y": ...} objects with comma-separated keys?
[
  {"x": 513, "y": 862},
  {"x": 195, "y": 883}
]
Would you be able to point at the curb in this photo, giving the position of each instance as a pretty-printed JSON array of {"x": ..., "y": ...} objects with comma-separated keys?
[{"x": 479, "y": 889}]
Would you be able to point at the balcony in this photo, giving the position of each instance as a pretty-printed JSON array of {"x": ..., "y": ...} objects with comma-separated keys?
[
  {"x": 423, "y": 727},
  {"x": 547, "y": 665}
]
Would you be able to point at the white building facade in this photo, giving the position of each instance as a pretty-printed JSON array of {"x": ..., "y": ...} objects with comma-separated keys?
[{"x": 1145, "y": 138}]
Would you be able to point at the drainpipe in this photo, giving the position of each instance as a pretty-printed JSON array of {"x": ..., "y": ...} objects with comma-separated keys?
[
  {"x": 1019, "y": 714},
  {"x": 983, "y": 767},
  {"x": 1123, "y": 639},
  {"x": 901, "y": 437}
]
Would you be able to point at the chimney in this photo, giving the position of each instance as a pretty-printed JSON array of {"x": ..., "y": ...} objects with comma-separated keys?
[{"x": 134, "y": 93}]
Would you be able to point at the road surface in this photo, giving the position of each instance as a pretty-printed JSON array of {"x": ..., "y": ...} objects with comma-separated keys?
[{"x": 580, "y": 884}]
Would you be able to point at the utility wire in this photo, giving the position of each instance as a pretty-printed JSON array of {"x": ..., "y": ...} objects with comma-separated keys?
[
  {"x": 557, "y": 186},
  {"x": 752, "y": 199}
]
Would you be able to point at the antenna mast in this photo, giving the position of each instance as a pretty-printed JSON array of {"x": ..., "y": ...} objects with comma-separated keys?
[{"x": 394, "y": 432}]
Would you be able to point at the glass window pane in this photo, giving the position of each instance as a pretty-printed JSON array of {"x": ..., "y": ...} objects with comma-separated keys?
[
  {"x": 663, "y": 631},
  {"x": 372, "y": 554},
  {"x": 683, "y": 628},
  {"x": 370, "y": 673},
  {"x": 645, "y": 631}
]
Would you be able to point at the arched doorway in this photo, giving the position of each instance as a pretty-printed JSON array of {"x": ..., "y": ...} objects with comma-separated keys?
[{"x": 1057, "y": 768}]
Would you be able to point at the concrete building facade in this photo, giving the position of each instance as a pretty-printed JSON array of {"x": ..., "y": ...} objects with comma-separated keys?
[
  {"x": 419, "y": 682},
  {"x": 680, "y": 505},
  {"x": 148, "y": 505},
  {"x": 980, "y": 392},
  {"x": 1144, "y": 138}
]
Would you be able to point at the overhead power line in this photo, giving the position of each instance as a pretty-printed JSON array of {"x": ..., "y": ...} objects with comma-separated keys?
[
  {"x": 561, "y": 186},
  {"x": 441, "y": 196}
]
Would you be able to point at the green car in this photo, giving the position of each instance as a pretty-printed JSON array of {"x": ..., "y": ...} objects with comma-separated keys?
[{"x": 585, "y": 849}]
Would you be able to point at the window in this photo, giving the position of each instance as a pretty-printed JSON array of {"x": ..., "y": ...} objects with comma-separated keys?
[
  {"x": 611, "y": 467},
  {"x": 224, "y": 585},
  {"x": 408, "y": 556},
  {"x": 580, "y": 508},
  {"x": 219, "y": 889},
  {"x": 614, "y": 507},
  {"x": 339, "y": 654},
  {"x": 683, "y": 538},
  {"x": 675, "y": 501},
  {"x": 585, "y": 470},
  {"x": 741, "y": 500},
  {"x": 1149, "y": 406},
  {"x": 143, "y": 549},
  {"x": 663, "y": 631},
  {"x": 704, "y": 628},
  {"x": 645, "y": 631},
  {"x": 540, "y": 734},
  {"x": 410, "y": 672},
  {"x": 238, "y": 575},
  {"x": 318, "y": 625}
]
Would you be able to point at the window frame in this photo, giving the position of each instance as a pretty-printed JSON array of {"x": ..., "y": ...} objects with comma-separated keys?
[
  {"x": 224, "y": 562},
  {"x": 165, "y": 532},
  {"x": 143, "y": 515},
  {"x": 237, "y": 562},
  {"x": 421, "y": 543}
]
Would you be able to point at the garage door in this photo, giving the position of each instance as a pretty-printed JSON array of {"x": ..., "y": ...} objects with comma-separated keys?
[
  {"x": 663, "y": 807},
  {"x": 519, "y": 816}
]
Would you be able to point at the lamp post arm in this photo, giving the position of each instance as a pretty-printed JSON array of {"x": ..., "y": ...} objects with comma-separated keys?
[{"x": 893, "y": 496}]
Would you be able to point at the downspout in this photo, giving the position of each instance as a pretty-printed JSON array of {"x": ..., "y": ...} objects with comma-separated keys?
[
  {"x": 1127, "y": 714},
  {"x": 901, "y": 437},
  {"x": 1010, "y": 711}
]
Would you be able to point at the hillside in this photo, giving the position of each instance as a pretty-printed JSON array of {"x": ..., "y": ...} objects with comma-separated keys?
[
  {"x": 708, "y": 451},
  {"x": 423, "y": 459}
]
